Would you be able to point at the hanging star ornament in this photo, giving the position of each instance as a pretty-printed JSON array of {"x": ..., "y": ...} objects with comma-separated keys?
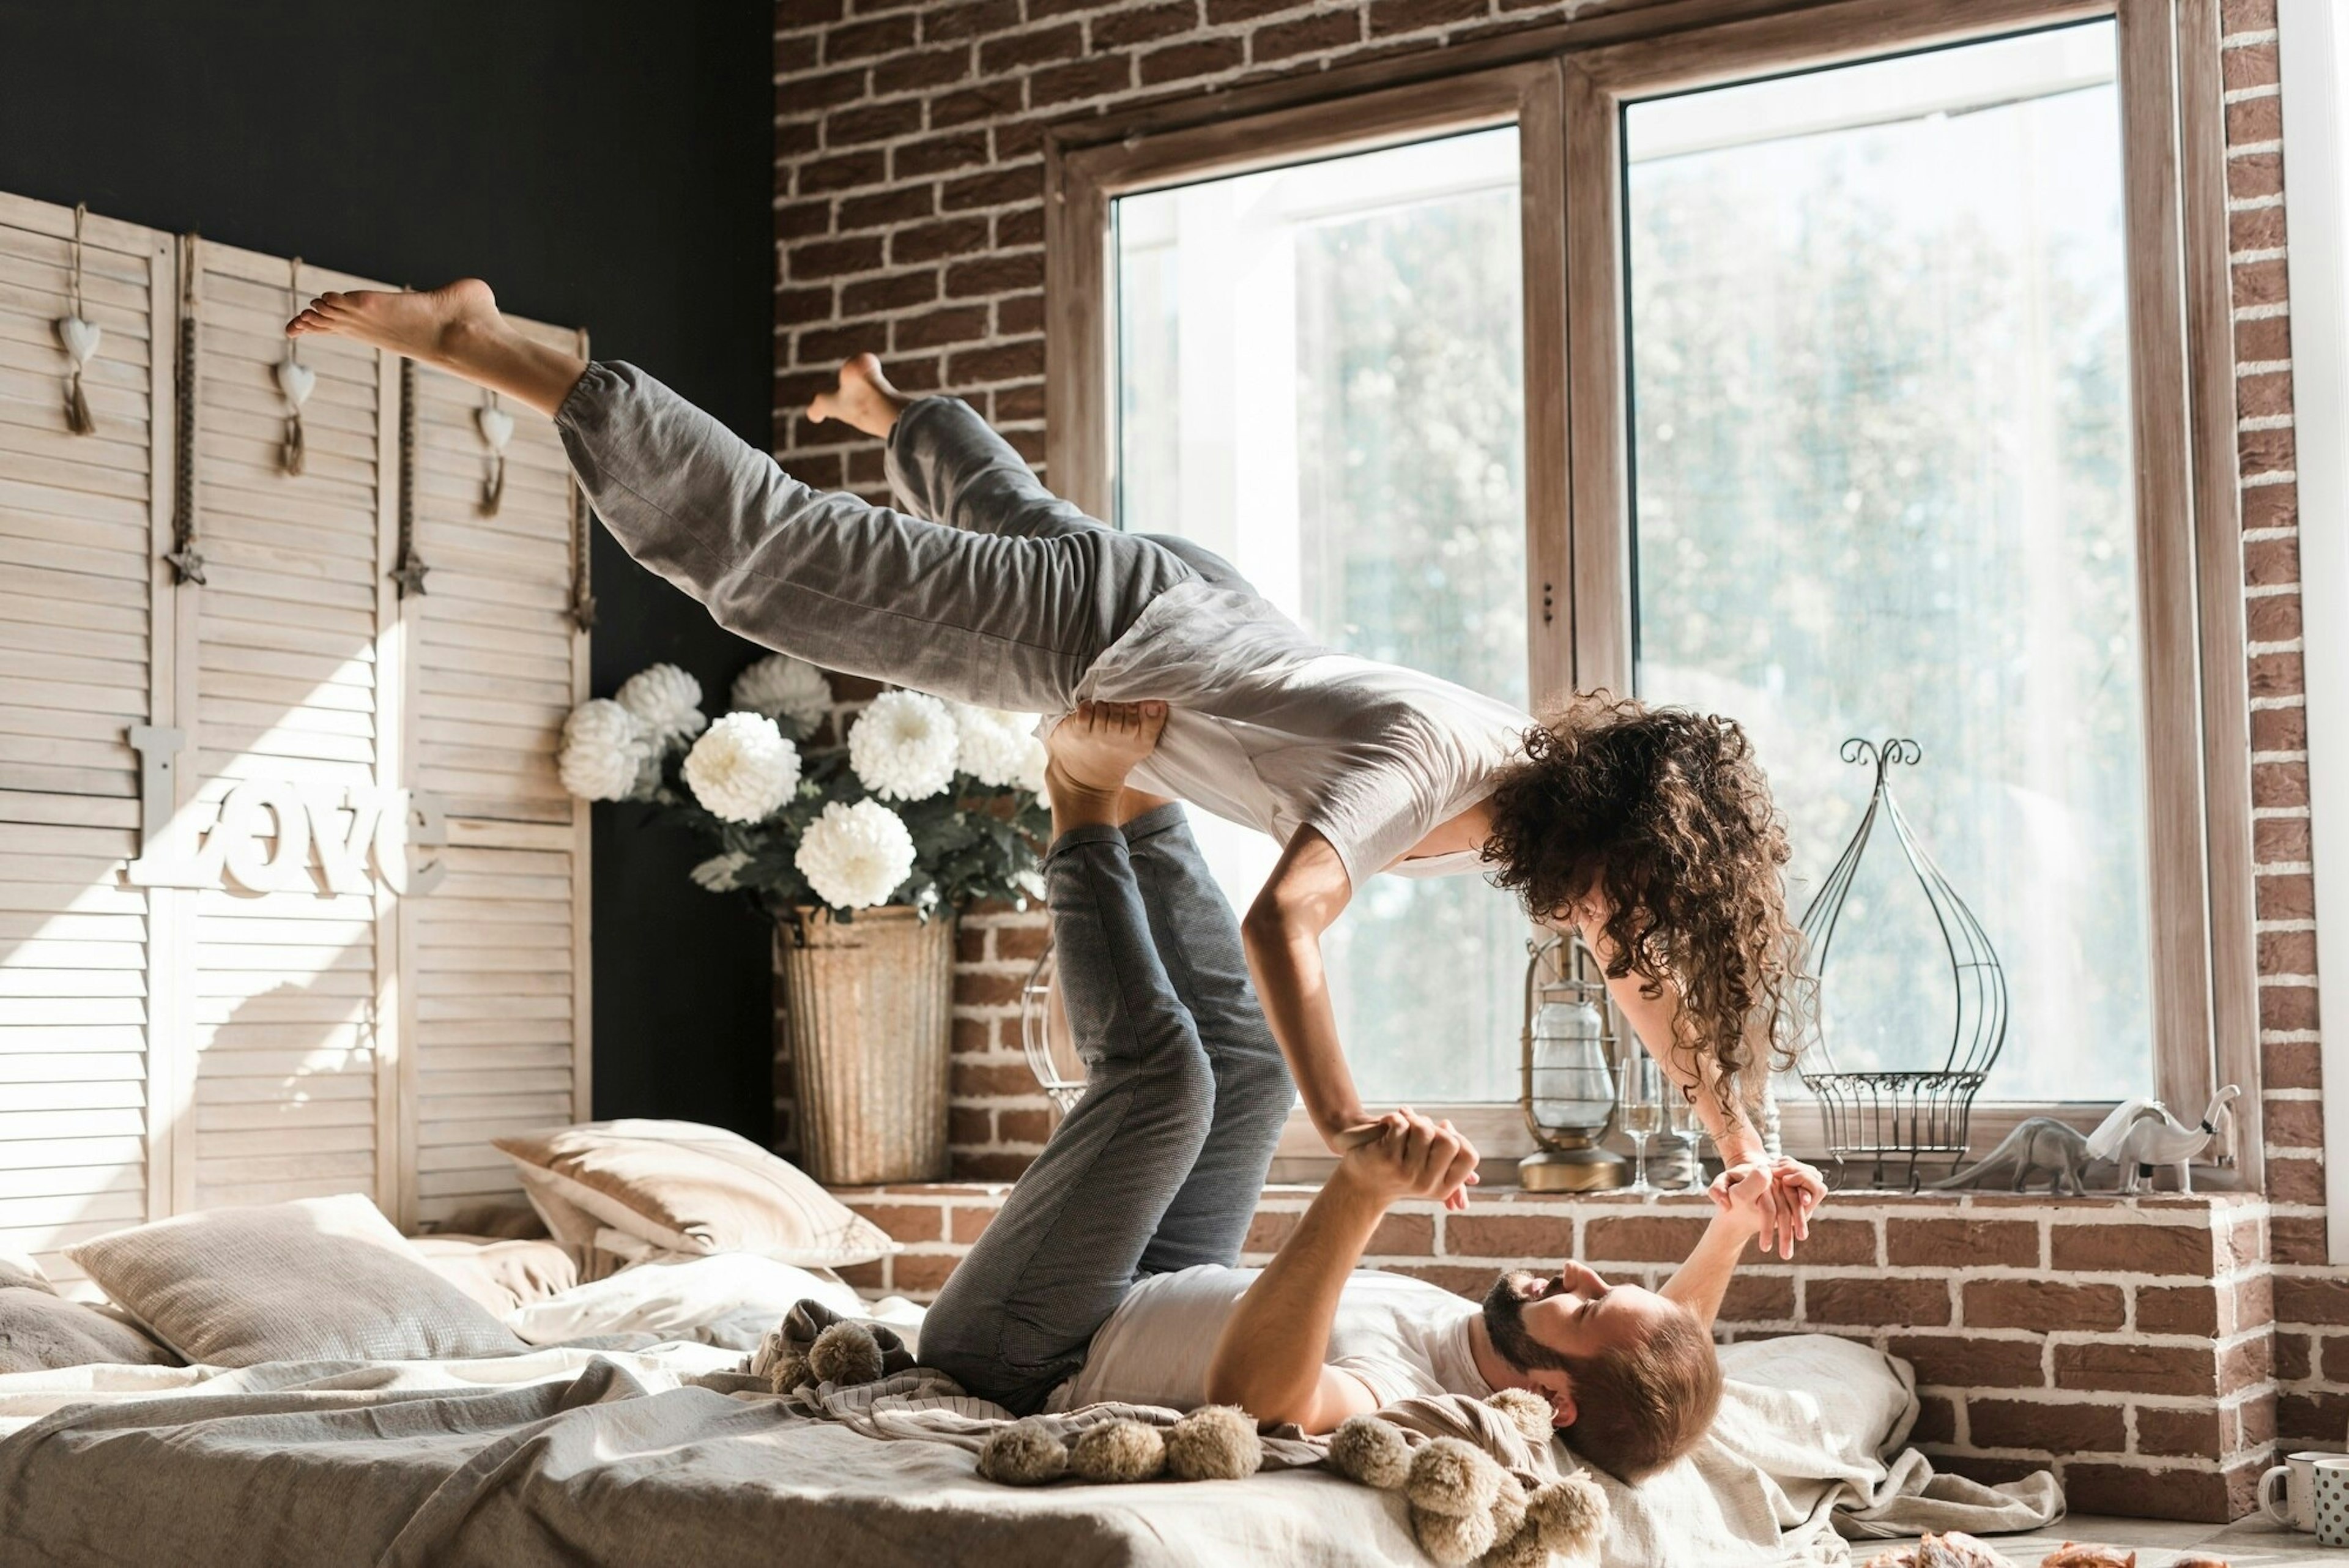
[
  {"x": 188, "y": 562},
  {"x": 410, "y": 575}
]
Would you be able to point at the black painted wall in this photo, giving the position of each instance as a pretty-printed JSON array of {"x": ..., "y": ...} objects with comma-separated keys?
[{"x": 605, "y": 163}]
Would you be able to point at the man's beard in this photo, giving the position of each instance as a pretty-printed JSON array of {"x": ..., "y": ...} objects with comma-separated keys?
[{"x": 1505, "y": 1320}]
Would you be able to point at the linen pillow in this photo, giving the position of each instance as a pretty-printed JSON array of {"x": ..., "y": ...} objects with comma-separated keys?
[
  {"x": 673, "y": 1296},
  {"x": 323, "y": 1279},
  {"x": 500, "y": 1274},
  {"x": 686, "y": 1188},
  {"x": 40, "y": 1330}
]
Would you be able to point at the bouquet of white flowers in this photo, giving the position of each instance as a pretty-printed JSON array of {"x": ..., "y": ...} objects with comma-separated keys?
[{"x": 928, "y": 804}]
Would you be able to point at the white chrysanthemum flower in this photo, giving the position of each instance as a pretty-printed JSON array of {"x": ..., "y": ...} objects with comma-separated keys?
[
  {"x": 603, "y": 747},
  {"x": 743, "y": 768},
  {"x": 782, "y": 687},
  {"x": 855, "y": 855},
  {"x": 903, "y": 746},
  {"x": 665, "y": 701},
  {"x": 720, "y": 873},
  {"x": 998, "y": 748}
]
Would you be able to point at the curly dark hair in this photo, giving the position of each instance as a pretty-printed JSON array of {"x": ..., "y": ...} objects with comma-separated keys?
[{"x": 1656, "y": 824}]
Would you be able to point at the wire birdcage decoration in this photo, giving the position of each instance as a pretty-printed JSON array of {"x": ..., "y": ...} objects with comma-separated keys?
[
  {"x": 1886, "y": 1117},
  {"x": 1045, "y": 1037}
]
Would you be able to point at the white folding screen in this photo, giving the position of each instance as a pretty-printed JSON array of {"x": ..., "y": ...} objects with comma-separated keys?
[{"x": 291, "y": 1024}]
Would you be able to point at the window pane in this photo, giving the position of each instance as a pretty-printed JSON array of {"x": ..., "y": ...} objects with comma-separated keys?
[
  {"x": 1881, "y": 445},
  {"x": 1320, "y": 379}
]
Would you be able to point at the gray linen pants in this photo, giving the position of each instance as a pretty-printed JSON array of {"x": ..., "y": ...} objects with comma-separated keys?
[
  {"x": 1160, "y": 1165},
  {"x": 990, "y": 589}
]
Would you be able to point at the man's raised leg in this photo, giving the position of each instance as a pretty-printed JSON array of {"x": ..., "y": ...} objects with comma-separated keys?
[{"x": 1018, "y": 1314}]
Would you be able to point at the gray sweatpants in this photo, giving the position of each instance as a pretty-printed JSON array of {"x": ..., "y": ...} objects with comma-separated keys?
[
  {"x": 1160, "y": 1165},
  {"x": 990, "y": 589}
]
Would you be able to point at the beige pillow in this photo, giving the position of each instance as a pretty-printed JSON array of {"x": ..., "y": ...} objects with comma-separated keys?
[
  {"x": 500, "y": 1274},
  {"x": 689, "y": 1189},
  {"x": 321, "y": 1279}
]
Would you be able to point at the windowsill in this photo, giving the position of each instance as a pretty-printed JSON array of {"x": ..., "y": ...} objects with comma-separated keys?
[{"x": 1517, "y": 1199}]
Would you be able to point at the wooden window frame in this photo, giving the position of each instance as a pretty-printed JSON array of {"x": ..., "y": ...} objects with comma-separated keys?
[{"x": 1564, "y": 86}]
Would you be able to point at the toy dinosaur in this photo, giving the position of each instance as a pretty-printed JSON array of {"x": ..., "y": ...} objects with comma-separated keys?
[
  {"x": 2142, "y": 1134},
  {"x": 2040, "y": 1144}
]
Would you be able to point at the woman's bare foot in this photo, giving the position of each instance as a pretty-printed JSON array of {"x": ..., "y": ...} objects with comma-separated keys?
[
  {"x": 862, "y": 397},
  {"x": 1089, "y": 753},
  {"x": 456, "y": 328}
]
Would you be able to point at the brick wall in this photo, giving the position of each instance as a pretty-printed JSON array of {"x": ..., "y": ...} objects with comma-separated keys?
[
  {"x": 908, "y": 221},
  {"x": 2124, "y": 1342}
]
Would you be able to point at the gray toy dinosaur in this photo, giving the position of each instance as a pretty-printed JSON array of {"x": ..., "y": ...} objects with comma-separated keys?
[{"x": 2040, "y": 1144}]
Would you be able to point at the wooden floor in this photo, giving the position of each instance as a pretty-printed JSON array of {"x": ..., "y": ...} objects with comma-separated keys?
[{"x": 2249, "y": 1544}]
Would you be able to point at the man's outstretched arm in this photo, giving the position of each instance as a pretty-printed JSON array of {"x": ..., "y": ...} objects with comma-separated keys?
[
  {"x": 1271, "y": 1359},
  {"x": 1701, "y": 1283}
]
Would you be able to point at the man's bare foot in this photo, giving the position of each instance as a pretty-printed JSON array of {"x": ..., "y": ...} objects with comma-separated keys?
[
  {"x": 456, "y": 328},
  {"x": 1088, "y": 756},
  {"x": 433, "y": 324},
  {"x": 862, "y": 397}
]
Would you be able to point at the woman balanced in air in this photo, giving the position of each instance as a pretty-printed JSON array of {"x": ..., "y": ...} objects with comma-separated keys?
[{"x": 1651, "y": 831}]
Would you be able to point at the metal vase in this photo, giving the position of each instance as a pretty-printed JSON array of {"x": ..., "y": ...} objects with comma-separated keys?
[{"x": 871, "y": 1007}]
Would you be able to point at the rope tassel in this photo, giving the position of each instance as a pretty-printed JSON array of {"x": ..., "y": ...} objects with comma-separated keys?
[
  {"x": 296, "y": 381},
  {"x": 497, "y": 429},
  {"x": 79, "y": 337}
]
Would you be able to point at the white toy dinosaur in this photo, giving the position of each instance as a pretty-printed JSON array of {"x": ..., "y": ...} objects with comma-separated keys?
[{"x": 2141, "y": 1134}]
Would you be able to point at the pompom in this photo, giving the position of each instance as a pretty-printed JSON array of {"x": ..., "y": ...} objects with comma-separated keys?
[
  {"x": 665, "y": 701},
  {"x": 1529, "y": 1412},
  {"x": 787, "y": 689},
  {"x": 603, "y": 747},
  {"x": 770, "y": 1353},
  {"x": 743, "y": 768},
  {"x": 845, "y": 1353},
  {"x": 1454, "y": 1540},
  {"x": 1118, "y": 1450},
  {"x": 855, "y": 855},
  {"x": 1508, "y": 1507},
  {"x": 1214, "y": 1442},
  {"x": 1569, "y": 1515},
  {"x": 1024, "y": 1453},
  {"x": 1522, "y": 1550},
  {"x": 999, "y": 749},
  {"x": 1371, "y": 1451},
  {"x": 903, "y": 746},
  {"x": 1450, "y": 1477}
]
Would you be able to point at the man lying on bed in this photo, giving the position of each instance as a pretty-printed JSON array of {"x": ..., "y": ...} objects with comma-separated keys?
[{"x": 1109, "y": 1273}]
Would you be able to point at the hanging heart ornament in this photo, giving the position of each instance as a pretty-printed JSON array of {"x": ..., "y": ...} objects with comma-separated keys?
[
  {"x": 497, "y": 427},
  {"x": 296, "y": 381},
  {"x": 80, "y": 339}
]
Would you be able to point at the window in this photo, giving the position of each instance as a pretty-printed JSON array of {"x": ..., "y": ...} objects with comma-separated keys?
[
  {"x": 1879, "y": 385},
  {"x": 1320, "y": 378}
]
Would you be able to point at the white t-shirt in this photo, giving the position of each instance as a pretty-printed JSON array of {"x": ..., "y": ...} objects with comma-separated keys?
[
  {"x": 1400, "y": 1336},
  {"x": 1271, "y": 728}
]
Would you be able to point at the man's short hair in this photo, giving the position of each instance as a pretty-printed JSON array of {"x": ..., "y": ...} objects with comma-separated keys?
[{"x": 1638, "y": 1406}]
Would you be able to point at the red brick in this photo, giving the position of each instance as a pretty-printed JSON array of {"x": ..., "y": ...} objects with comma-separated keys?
[
  {"x": 1758, "y": 1298},
  {"x": 1222, "y": 12},
  {"x": 2256, "y": 174},
  {"x": 1949, "y": 1361},
  {"x": 2291, "y": 1356},
  {"x": 969, "y": 1125},
  {"x": 1005, "y": 362},
  {"x": 2296, "y": 1239},
  {"x": 2247, "y": 16},
  {"x": 2244, "y": 1365},
  {"x": 973, "y": 1036},
  {"x": 1989, "y": 1471},
  {"x": 830, "y": 345},
  {"x": 1641, "y": 1239},
  {"x": 995, "y": 275},
  {"x": 2047, "y": 1305},
  {"x": 2265, "y": 451},
  {"x": 1023, "y": 1126},
  {"x": 2267, "y": 338},
  {"x": 1016, "y": 50},
  {"x": 1017, "y": 140},
  {"x": 1322, "y": 30},
  {"x": 2324, "y": 1300},
  {"x": 2130, "y": 1249},
  {"x": 1411, "y": 16},
  {"x": 941, "y": 23},
  {"x": 1024, "y": 227},
  {"x": 2180, "y": 1309},
  {"x": 963, "y": 149},
  {"x": 983, "y": 1080},
  {"x": 2270, "y": 563},
  {"x": 813, "y": 176},
  {"x": 987, "y": 1165},
  {"x": 2180, "y": 1434},
  {"x": 2279, "y": 730},
  {"x": 1016, "y": 402},
  {"x": 1404, "y": 1236},
  {"x": 2279, "y": 784},
  {"x": 830, "y": 258},
  {"x": 2048, "y": 1429},
  {"x": 862, "y": 40},
  {"x": 2303, "y": 1417},
  {"x": 905, "y": 1221},
  {"x": 2250, "y": 1425},
  {"x": 966, "y": 324},
  {"x": 920, "y": 1273},
  {"x": 806, "y": 12},
  {"x": 2263, "y": 396},
  {"x": 918, "y": 72},
  {"x": 1094, "y": 78},
  {"x": 2295, "y": 1124},
  {"x": 1268, "y": 1228},
  {"x": 1962, "y": 1243},
  {"x": 870, "y": 122},
  {"x": 2126, "y": 1367},
  {"x": 2192, "y": 1494},
  {"x": 1515, "y": 1238},
  {"x": 1876, "y": 1303},
  {"x": 895, "y": 292},
  {"x": 2289, "y": 897},
  {"x": 2296, "y": 1180},
  {"x": 966, "y": 1224},
  {"x": 985, "y": 101},
  {"x": 797, "y": 305},
  {"x": 2255, "y": 119},
  {"x": 987, "y": 990},
  {"x": 866, "y": 1277},
  {"x": 2272, "y": 506},
  {"x": 933, "y": 242},
  {"x": 994, "y": 190},
  {"x": 802, "y": 220},
  {"x": 1937, "y": 1420},
  {"x": 2276, "y": 675},
  {"x": 1182, "y": 62},
  {"x": 2255, "y": 229},
  {"x": 1140, "y": 24},
  {"x": 1460, "y": 1281}
]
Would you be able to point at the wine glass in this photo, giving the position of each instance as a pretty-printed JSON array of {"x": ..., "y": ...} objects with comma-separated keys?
[
  {"x": 1688, "y": 1127},
  {"x": 1642, "y": 1104}
]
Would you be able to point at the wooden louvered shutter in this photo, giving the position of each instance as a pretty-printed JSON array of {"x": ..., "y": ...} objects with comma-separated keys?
[
  {"x": 80, "y": 518},
  {"x": 495, "y": 661}
]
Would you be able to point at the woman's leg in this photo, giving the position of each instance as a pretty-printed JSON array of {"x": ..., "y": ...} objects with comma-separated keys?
[
  {"x": 1018, "y": 1314},
  {"x": 1193, "y": 928},
  {"x": 1004, "y": 619}
]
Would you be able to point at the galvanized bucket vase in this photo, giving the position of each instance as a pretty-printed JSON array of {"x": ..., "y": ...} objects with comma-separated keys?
[{"x": 871, "y": 1003}]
